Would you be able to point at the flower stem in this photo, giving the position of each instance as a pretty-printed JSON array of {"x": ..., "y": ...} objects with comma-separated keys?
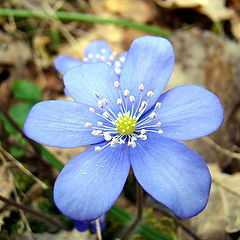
[
  {"x": 139, "y": 204},
  {"x": 98, "y": 228},
  {"x": 82, "y": 17}
]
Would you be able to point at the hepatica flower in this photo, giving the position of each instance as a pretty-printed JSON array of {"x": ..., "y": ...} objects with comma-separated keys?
[
  {"x": 96, "y": 51},
  {"x": 129, "y": 122}
]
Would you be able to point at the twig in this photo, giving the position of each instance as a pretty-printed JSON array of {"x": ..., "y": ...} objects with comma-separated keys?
[
  {"x": 20, "y": 166},
  {"x": 54, "y": 222},
  {"x": 220, "y": 149}
]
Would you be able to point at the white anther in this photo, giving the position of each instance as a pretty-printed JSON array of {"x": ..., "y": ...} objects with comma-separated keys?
[
  {"x": 107, "y": 136},
  {"x": 90, "y": 55},
  {"x": 96, "y": 94},
  {"x": 85, "y": 59},
  {"x": 117, "y": 64},
  {"x": 119, "y": 101},
  {"x": 152, "y": 115},
  {"x": 113, "y": 142},
  {"x": 143, "y": 131},
  {"x": 133, "y": 139},
  {"x": 143, "y": 106},
  {"x": 100, "y": 124},
  {"x": 158, "y": 124},
  {"x": 103, "y": 50},
  {"x": 100, "y": 103},
  {"x": 96, "y": 132},
  {"x": 132, "y": 98},
  {"x": 126, "y": 92},
  {"x": 97, "y": 148},
  {"x": 141, "y": 87},
  {"x": 106, "y": 115},
  {"x": 92, "y": 110},
  {"x": 132, "y": 144},
  {"x": 150, "y": 94},
  {"x": 116, "y": 84},
  {"x": 117, "y": 70},
  {"x": 105, "y": 101},
  {"x": 158, "y": 105},
  {"x": 108, "y": 63},
  {"x": 122, "y": 59},
  {"x": 160, "y": 131},
  {"x": 88, "y": 125},
  {"x": 143, "y": 137}
]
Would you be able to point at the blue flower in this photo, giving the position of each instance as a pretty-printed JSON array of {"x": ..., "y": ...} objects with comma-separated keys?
[
  {"x": 129, "y": 122},
  {"x": 96, "y": 51}
]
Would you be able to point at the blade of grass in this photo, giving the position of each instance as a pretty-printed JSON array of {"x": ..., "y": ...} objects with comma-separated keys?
[{"x": 83, "y": 17}]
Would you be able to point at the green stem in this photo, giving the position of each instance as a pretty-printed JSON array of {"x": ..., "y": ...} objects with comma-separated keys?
[{"x": 83, "y": 17}]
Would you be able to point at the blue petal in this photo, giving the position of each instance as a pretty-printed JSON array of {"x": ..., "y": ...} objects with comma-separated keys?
[
  {"x": 64, "y": 63},
  {"x": 94, "y": 77},
  {"x": 91, "y": 182},
  {"x": 81, "y": 226},
  {"x": 119, "y": 62},
  {"x": 189, "y": 112},
  {"x": 98, "y": 50},
  {"x": 149, "y": 62},
  {"x": 60, "y": 123},
  {"x": 173, "y": 174}
]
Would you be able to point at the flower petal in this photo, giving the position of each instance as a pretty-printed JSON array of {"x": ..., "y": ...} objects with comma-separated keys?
[
  {"x": 91, "y": 182},
  {"x": 81, "y": 226},
  {"x": 64, "y": 63},
  {"x": 98, "y": 50},
  {"x": 173, "y": 174},
  {"x": 119, "y": 62},
  {"x": 149, "y": 62},
  {"x": 60, "y": 123},
  {"x": 189, "y": 112},
  {"x": 82, "y": 81}
]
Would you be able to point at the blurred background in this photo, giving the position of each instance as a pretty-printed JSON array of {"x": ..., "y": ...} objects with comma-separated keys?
[{"x": 205, "y": 35}]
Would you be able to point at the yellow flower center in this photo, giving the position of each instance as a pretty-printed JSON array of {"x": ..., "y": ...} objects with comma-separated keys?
[{"x": 125, "y": 124}]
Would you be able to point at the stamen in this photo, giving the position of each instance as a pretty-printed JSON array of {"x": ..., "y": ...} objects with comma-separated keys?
[
  {"x": 117, "y": 64},
  {"x": 158, "y": 124},
  {"x": 117, "y": 70},
  {"x": 132, "y": 144},
  {"x": 160, "y": 131},
  {"x": 106, "y": 115},
  {"x": 158, "y": 105},
  {"x": 90, "y": 55},
  {"x": 143, "y": 106},
  {"x": 116, "y": 84},
  {"x": 96, "y": 132},
  {"x": 152, "y": 115},
  {"x": 88, "y": 125},
  {"x": 150, "y": 94},
  {"x": 122, "y": 59},
  {"x": 92, "y": 110},
  {"x": 132, "y": 99},
  {"x": 100, "y": 124},
  {"x": 143, "y": 131},
  {"x": 141, "y": 87},
  {"x": 97, "y": 148},
  {"x": 107, "y": 136},
  {"x": 96, "y": 94},
  {"x": 119, "y": 101},
  {"x": 126, "y": 92},
  {"x": 85, "y": 59},
  {"x": 143, "y": 137}
]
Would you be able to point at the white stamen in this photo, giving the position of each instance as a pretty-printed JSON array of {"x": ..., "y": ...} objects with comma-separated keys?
[
  {"x": 122, "y": 59},
  {"x": 143, "y": 137},
  {"x": 97, "y": 148},
  {"x": 143, "y": 106},
  {"x": 158, "y": 105},
  {"x": 121, "y": 141},
  {"x": 100, "y": 124},
  {"x": 116, "y": 84},
  {"x": 85, "y": 59},
  {"x": 88, "y": 125},
  {"x": 117, "y": 64},
  {"x": 100, "y": 103},
  {"x": 119, "y": 101},
  {"x": 152, "y": 115},
  {"x": 105, "y": 101},
  {"x": 113, "y": 142},
  {"x": 132, "y": 144},
  {"x": 106, "y": 115},
  {"x": 117, "y": 70},
  {"x": 143, "y": 131},
  {"x": 141, "y": 87},
  {"x": 160, "y": 131},
  {"x": 96, "y": 132},
  {"x": 134, "y": 139},
  {"x": 132, "y": 99},
  {"x": 96, "y": 94},
  {"x": 150, "y": 94},
  {"x": 90, "y": 55},
  {"x": 158, "y": 124},
  {"x": 92, "y": 110},
  {"x": 126, "y": 92},
  {"x": 107, "y": 136}
]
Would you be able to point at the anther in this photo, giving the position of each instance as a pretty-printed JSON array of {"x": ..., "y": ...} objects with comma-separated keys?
[
  {"x": 117, "y": 64},
  {"x": 152, "y": 115},
  {"x": 122, "y": 59},
  {"x": 97, "y": 148},
  {"x": 117, "y": 70},
  {"x": 100, "y": 124},
  {"x": 96, "y": 132},
  {"x": 143, "y": 137},
  {"x": 92, "y": 110},
  {"x": 143, "y": 106},
  {"x": 116, "y": 84},
  {"x": 141, "y": 87},
  {"x": 143, "y": 131},
  {"x": 158, "y": 105},
  {"x": 160, "y": 131},
  {"x": 88, "y": 125},
  {"x": 158, "y": 124},
  {"x": 119, "y": 101},
  {"x": 96, "y": 94},
  {"x": 106, "y": 115},
  {"x": 132, "y": 144},
  {"x": 132, "y": 99},
  {"x": 126, "y": 92},
  {"x": 107, "y": 136},
  {"x": 150, "y": 94}
]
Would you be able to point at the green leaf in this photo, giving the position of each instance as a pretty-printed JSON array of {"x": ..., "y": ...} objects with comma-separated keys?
[
  {"x": 26, "y": 90},
  {"x": 16, "y": 152},
  {"x": 7, "y": 125},
  {"x": 19, "y": 112}
]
